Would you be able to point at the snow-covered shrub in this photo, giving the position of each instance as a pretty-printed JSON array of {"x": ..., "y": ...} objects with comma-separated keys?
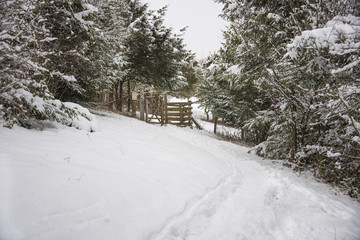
[
  {"x": 83, "y": 120},
  {"x": 288, "y": 73},
  {"x": 25, "y": 73},
  {"x": 28, "y": 103},
  {"x": 329, "y": 120},
  {"x": 277, "y": 129},
  {"x": 257, "y": 128}
]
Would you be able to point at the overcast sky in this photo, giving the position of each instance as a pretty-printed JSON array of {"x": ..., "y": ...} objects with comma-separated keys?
[{"x": 203, "y": 34}]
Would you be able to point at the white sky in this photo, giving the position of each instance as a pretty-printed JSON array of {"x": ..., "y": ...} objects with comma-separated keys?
[{"x": 203, "y": 34}]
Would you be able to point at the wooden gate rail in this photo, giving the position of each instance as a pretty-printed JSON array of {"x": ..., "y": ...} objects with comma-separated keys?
[
  {"x": 178, "y": 113},
  {"x": 159, "y": 111}
]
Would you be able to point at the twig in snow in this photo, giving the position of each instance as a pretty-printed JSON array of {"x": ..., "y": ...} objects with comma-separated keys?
[
  {"x": 335, "y": 231},
  {"x": 122, "y": 151}
]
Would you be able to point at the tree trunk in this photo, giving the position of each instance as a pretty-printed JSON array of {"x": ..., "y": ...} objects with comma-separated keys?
[
  {"x": 111, "y": 99},
  {"x": 294, "y": 132},
  {"x": 121, "y": 96},
  {"x": 116, "y": 104},
  {"x": 129, "y": 95},
  {"x": 215, "y": 124}
]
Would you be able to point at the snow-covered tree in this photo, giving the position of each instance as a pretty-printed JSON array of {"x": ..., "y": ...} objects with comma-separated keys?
[
  {"x": 154, "y": 53},
  {"x": 192, "y": 72},
  {"x": 112, "y": 22},
  {"x": 67, "y": 50},
  {"x": 329, "y": 58},
  {"x": 75, "y": 50},
  {"x": 79, "y": 49},
  {"x": 24, "y": 89},
  {"x": 301, "y": 61}
]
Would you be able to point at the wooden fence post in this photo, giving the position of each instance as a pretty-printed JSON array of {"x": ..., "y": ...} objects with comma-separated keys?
[
  {"x": 133, "y": 104},
  {"x": 146, "y": 110},
  {"x": 142, "y": 110},
  {"x": 190, "y": 105},
  {"x": 162, "y": 112},
  {"x": 133, "y": 108},
  {"x": 165, "y": 110}
]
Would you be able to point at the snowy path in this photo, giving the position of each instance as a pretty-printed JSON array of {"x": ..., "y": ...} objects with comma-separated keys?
[
  {"x": 134, "y": 181},
  {"x": 196, "y": 215},
  {"x": 260, "y": 202}
]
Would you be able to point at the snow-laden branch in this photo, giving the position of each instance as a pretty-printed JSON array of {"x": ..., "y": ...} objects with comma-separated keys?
[
  {"x": 90, "y": 10},
  {"x": 340, "y": 35},
  {"x": 346, "y": 67}
]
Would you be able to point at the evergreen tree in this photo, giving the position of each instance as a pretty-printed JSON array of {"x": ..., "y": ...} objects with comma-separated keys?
[
  {"x": 154, "y": 54},
  {"x": 24, "y": 91},
  {"x": 329, "y": 59},
  {"x": 301, "y": 59},
  {"x": 74, "y": 50},
  {"x": 78, "y": 51},
  {"x": 112, "y": 22},
  {"x": 51, "y": 50},
  {"x": 192, "y": 73}
]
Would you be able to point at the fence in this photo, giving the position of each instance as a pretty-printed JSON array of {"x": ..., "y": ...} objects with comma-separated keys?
[
  {"x": 157, "y": 110},
  {"x": 178, "y": 113}
]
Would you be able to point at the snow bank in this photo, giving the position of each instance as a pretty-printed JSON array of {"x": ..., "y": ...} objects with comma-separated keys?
[
  {"x": 133, "y": 181},
  {"x": 84, "y": 120}
]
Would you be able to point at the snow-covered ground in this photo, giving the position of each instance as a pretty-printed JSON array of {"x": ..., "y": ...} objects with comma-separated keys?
[{"x": 134, "y": 181}]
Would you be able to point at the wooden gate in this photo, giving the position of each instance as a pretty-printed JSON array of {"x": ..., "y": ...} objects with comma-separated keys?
[
  {"x": 178, "y": 113},
  {"x": 159, "y": 111},
  {"x": 154, "y": 109}
]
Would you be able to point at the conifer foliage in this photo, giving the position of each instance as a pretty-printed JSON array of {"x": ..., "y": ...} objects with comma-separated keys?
[
  {"x": 154, "y": 53},
  {"x": 288, "y": 76},
  {"x": 25, "y": 90},
  {"x": 58, "y": 51}
]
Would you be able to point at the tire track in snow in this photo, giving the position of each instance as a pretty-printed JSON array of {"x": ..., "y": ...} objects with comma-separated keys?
[{"x": 197, "y": 213}]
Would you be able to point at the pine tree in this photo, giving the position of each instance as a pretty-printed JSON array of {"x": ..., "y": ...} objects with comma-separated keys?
[
  {"x": 77, "y": 51},
  {"x": 192, "y": 73},
  {"x": 154, "y": 53},
  {"x": 302, "y": 57},
  {"x": 329, "y": 57},
  {"x": 112, "y": 22},
  {"x": 47, "y": 57},
  {"x": 24, "y": 93}
]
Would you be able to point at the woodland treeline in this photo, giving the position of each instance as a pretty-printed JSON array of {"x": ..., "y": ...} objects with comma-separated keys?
[
  {"x": 287, "y": 74},
  {"x": 84, "y": 51}
]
